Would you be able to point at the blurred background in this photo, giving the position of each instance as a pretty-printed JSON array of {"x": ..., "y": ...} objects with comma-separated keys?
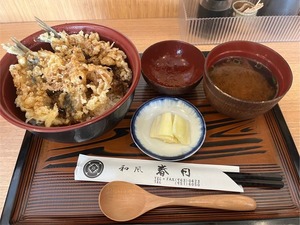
[{"x": 55, "y": 10}]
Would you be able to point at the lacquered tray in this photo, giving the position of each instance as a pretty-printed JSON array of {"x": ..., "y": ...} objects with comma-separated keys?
[{"x": 43, "y": 189}]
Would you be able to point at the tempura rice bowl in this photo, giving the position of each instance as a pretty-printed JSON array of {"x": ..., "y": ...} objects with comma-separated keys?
[{"x": 81, "y": 131}]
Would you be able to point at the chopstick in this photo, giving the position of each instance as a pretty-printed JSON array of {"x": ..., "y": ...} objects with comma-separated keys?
[
  {"x": 270, "y": 180},
  {"x": 260, "y": 176},
  {"x": 261, "y": 183}
]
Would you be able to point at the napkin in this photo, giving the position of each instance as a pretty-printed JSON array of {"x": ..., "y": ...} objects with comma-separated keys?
[{"x": 157, "y": 173}]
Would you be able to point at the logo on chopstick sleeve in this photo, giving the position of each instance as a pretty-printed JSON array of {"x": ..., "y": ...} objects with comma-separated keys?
[{"x": 93, "y": 168}]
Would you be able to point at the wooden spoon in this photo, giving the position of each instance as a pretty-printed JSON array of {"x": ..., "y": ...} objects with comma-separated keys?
[{"x": 123, "y": 201}]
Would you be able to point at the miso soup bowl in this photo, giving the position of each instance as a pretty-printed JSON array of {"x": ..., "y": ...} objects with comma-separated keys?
[
  {"x": 83, "y": 131},
  {"x": 242, "y": 109}
]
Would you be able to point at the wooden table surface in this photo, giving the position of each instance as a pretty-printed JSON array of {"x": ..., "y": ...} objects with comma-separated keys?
[{"x": 143, "y": 33}]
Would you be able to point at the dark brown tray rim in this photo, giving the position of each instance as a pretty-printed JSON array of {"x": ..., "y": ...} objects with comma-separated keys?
[{"x": 292, "y": 150}]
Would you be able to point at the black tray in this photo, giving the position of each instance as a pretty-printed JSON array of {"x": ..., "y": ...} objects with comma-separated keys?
[{"x": 43, "y": 190}]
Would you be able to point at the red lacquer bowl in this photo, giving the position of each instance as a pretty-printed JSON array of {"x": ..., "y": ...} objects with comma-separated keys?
[
  {"x": 172, "y": 67},
  {"x": 237, "y": 108}
]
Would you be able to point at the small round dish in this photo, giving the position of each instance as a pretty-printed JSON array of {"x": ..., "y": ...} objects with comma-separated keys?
[
  {"x": 172, "y": 67},
  {"x": 142, "y": 121}
]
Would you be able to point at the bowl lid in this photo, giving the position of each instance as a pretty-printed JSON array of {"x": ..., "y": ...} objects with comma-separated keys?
[{"x": 173, "y": 64}]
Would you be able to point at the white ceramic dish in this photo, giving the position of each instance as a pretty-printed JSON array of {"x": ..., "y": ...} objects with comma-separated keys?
[{"x": 142, "y": 121}]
